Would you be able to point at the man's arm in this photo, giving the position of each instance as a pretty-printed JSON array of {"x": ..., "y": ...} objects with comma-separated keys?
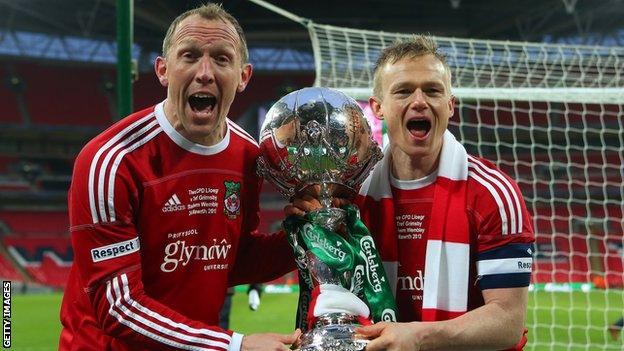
[
  {"x": 497, "y": 325},
  {"x": 124, "y": 311}
]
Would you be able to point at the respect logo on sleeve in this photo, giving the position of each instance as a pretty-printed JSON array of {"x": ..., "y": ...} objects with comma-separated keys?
[{"x": 115, "y": 250}]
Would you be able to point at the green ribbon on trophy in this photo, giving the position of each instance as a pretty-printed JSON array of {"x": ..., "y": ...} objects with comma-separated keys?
[{"x": 353, "y": 258}]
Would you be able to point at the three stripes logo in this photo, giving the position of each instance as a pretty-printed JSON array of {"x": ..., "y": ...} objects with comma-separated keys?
[{"x": 173, "y": 204}]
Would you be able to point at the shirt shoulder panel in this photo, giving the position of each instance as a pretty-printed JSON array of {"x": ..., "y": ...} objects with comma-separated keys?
[
  {"x": 496, "y": 206},
  {"x": 100, "y": 186}
]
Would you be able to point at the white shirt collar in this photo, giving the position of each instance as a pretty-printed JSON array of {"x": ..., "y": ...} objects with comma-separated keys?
[{"x": 184, "y": 143}]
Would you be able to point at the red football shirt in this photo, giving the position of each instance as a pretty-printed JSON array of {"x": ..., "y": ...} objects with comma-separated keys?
[{"x": 160, "y": 228}]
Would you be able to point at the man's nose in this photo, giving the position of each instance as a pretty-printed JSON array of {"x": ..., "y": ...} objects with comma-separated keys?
[
  {"x": 205, "y": 73},
  {"x": 419, "y": 100}
]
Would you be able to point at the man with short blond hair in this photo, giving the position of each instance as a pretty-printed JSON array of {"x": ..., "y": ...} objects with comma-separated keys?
[{"x": 452, "y": 229}]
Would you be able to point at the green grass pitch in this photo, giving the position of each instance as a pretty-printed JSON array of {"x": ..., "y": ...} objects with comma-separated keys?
[{"x": 35, "y": 325}]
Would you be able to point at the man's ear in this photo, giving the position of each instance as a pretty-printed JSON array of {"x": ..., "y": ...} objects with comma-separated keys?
[
  {"x": 375, "y": 105},
  {"x": 451, "y": 105},
  {"x": 245, "y": 77},
  {"x": 160, "y": 67}
]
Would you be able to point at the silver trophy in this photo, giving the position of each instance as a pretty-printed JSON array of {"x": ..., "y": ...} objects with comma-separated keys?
[{"x": 317, "y": 141}]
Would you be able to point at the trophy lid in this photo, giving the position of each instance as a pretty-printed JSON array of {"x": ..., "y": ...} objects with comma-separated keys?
[{"x": 316, "y": 136}]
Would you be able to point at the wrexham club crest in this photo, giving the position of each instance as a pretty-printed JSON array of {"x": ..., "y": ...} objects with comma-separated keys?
[{"x": 232, "y": 202}]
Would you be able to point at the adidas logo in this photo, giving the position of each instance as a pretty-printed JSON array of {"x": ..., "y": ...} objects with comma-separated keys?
[{"x": 173, "y": 204}]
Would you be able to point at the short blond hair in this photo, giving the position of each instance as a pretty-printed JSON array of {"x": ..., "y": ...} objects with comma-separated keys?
[
  {"x": 419, "y": 45},
  {"x": 210, "y": 11}
]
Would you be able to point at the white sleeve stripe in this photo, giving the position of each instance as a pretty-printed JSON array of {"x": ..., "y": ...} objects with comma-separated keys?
[
  {"x": 511, "y": 188},
  {"x": 104, "y": 169},
  {"x": 239, "y": 128},
  {"x": 504, "y": 191},
  {"x": 499, "y": 202},
  {"x": 267, "y": 133},
  {"x": 241, "y": 132},
  {"x": 265, "y": 136},
  {"x": 201, "y": 332},
  {"x": 139, "y": 329},
  {"x": 245, "y": 137},
  {"x": 115, "y": 165},
  {"x": 108, "y": 144},
  {"x": 155, "y": 326}
]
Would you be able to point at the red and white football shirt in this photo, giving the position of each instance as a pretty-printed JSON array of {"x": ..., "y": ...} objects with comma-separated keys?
[
  {"x": 500, "y": 229},
  {"x": 412, "y": 212}
]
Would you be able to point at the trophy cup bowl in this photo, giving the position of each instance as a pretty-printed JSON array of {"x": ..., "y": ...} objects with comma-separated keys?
[{"x": 318, "y": 138}]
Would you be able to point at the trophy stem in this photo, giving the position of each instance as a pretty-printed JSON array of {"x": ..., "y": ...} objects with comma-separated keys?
[
  {"x": 329, "y": 217},
  {"x": 325, "y": 196}
]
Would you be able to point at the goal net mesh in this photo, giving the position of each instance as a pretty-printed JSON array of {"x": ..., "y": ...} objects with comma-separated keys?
[{"x": 551, "y": 116}]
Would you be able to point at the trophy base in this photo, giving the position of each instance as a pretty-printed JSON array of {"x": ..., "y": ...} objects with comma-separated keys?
[{"x": 333, "y": 332}]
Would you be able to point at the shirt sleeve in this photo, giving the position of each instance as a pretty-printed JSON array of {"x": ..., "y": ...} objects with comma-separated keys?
[
  {"x": 502, "y": 226},
  {"x": 107, "y": 251}
]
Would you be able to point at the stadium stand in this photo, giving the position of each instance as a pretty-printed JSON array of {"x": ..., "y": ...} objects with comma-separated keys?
[
  {"x": 14, "y": 185},
  {"x": 5, "y": 163},
  {"x": 10, "y": 110},
  {"x": 46, "y": 259},
  {"x": 36, "y": 223},
  {"x": 147, "y": 91},
  {"x": 10, "y": 180},
  {"x": 562, "y": 258},
  {"x": 79, "y": 97},
  {"x": 50, "y": 273},
  {"x": 38, "y": 243},
  {"x": 8, "y": 271}
]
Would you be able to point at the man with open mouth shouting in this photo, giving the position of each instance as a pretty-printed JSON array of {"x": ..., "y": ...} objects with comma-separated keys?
[
  {"x": 452, "y": 229},
  {"x": 164, "y": 208}
]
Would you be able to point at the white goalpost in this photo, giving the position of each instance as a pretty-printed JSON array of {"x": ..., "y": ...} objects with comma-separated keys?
[{"x": 552, "y": 117}]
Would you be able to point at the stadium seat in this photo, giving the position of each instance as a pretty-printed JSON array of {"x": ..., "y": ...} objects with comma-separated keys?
[
  {"x": 7, "y": 271},
  {"x": 47, "y": 222},
  {"x": 46, "y": 259},
  {"x": 78, "y": 98}
]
